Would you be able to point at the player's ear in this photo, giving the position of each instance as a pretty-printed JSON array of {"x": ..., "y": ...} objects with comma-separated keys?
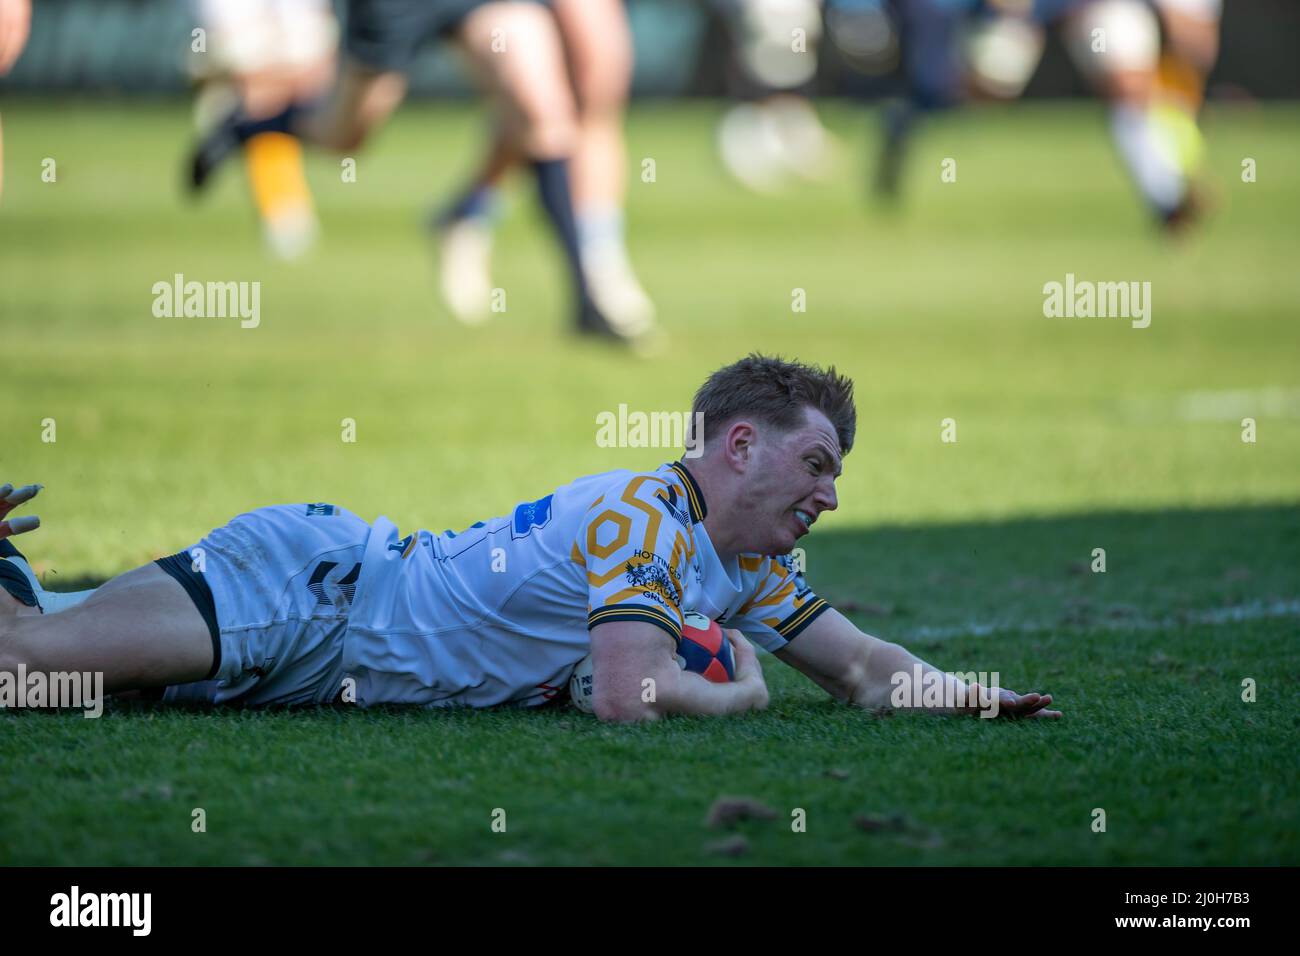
[{"x": 739, "y": 444}]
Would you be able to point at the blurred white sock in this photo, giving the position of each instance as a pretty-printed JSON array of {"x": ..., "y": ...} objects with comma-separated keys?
[{"x": 1151, "y": 161}]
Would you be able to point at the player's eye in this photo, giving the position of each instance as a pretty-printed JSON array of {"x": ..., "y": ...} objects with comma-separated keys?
[{"x": 813, "y": 465}]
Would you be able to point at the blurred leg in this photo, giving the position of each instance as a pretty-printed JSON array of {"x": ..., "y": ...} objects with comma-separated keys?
[
  {"x": 362, "y": 99},
  {"x": 598, "y": 44},
  {"x": 515, "y": 50},
  {"x": 1116, "y": 44}
]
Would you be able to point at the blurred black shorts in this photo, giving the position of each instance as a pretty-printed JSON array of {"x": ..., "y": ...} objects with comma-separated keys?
[{"x": 387, "y": 34}]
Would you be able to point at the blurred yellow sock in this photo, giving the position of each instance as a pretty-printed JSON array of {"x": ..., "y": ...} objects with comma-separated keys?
[
  {"x": 275, "y": 171},
  {"x": 1179, "y": 82},
  {"x": 1180, "y": 92},
  {"x": 284, "y": 203}
]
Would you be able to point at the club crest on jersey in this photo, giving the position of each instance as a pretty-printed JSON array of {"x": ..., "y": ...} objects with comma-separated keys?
[
  {"x": 320, "y": 508},
  {"x": 670, "y": 500},
  {"x": 655, "y": 581}
]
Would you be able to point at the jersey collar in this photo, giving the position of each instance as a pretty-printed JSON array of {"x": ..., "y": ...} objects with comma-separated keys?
[{"x": 694, "y": 497}]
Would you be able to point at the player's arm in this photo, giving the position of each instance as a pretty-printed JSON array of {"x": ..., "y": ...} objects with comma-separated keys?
[
  {"x": 863, "y": 670},
  {"x": 635, "y": 677}
]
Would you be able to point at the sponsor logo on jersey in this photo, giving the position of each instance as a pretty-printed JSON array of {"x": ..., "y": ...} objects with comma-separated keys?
[
  {"x": 337, "y": 593},
  {"x": 404, "y": 547},
  {"x": 530, "y": 515}
]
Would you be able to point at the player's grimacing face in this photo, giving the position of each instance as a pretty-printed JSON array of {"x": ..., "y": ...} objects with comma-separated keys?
[{"x": 794, "y": 482}]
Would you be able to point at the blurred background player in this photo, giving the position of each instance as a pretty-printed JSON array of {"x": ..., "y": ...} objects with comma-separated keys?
[
  {"x": 514, "y": 49},
  {"x": 774, "y": 133},
  {"x": 1152, "y": 81},
  {"x": 266, "y": 55},
  {"x": 15, "y": 23},
  {"x": 954, "y": 50},
  {"x": 598, "y": 51},
  {"x": 926, "y": 38}
]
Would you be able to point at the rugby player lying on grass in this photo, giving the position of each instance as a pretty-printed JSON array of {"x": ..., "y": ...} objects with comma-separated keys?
[{"x": 307, "y": 603}]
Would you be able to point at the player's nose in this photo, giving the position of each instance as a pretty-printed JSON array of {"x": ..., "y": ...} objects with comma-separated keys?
[{"x": 825, "y": 497}]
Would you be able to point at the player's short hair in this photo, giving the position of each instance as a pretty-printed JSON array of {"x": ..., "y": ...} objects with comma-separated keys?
[{"x": 772, "y": 390}]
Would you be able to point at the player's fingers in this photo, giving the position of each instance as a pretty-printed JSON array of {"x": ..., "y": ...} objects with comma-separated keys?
[
  {"x": 18, "y": 495},
  {"x": 1027, "y": 704},
  {"x": 11, "y": 497},
  {"x": 738, "y": 640},
  {"x": 1032, "y": 708},
  {"x": 19, "y": 525},
  {"x": 1045, "y": 714},
  {"x": 1010, "y": 702}
]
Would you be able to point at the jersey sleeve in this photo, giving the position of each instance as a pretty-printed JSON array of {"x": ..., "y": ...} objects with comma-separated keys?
[
  {"x": 635, "y": 545},
  {"x": 781, "y": 604}
]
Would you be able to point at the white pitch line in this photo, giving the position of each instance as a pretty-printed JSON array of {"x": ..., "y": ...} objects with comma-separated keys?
[{"x": 1234, "y": 614}]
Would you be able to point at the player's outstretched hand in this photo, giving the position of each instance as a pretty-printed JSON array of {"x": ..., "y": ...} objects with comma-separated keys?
[
  {"x": 11, "y": 498},
  {"x": 1011, "y": 704}
]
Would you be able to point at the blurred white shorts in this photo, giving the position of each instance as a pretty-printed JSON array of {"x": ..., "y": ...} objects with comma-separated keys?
[{"x": 245, "y": 36}]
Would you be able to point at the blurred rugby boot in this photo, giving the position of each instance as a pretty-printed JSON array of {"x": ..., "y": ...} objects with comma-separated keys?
[
  {"x": 749, "y": 145},
  {"x": 226, "y": 134},
  {"x": 591, "y": 323},
  {"x": 806, "y": 147},
  {"x": 611, "y": 281},
  {"x": 464, "y": 237},
  {"x": 553, "y": 191},
  {"x": 464, "y": 277}
]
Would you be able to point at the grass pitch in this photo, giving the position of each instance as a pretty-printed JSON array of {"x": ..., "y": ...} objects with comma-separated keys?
[{"x": 1072, "y": 435}]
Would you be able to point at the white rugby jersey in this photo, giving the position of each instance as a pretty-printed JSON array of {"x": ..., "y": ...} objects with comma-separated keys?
[{"x": 500, "y": 612}]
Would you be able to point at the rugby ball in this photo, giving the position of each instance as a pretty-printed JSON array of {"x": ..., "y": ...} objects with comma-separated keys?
[{"x": 704, "y": 650}]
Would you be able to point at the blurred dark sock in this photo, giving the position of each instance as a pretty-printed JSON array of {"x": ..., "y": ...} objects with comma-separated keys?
[
  {"x": 553, "y": 188},
  {"x": 478, "y": 201}
]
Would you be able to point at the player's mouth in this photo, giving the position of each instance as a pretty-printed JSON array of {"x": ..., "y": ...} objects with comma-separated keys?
[{"x": 805, "y": 519}]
